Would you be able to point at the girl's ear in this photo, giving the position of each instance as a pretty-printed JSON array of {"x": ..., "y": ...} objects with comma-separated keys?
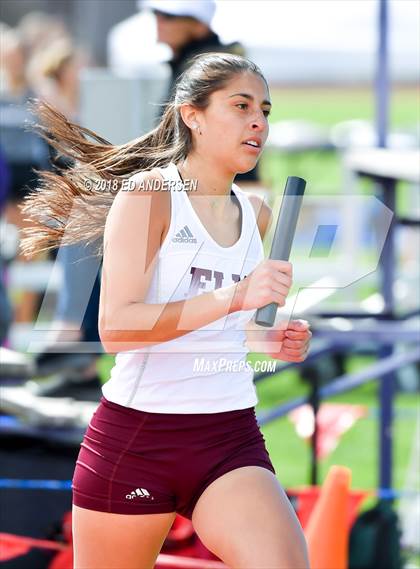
[{"x": 189, "y": 115}]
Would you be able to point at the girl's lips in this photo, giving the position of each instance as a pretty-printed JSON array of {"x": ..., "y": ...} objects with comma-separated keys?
[{"x": 253, "y": 149}]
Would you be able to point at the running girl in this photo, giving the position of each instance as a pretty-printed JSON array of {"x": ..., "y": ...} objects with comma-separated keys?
[{"x": 183, "y": 274}]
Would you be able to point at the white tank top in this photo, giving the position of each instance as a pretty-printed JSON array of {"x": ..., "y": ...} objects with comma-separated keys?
[{"x": 205, "y": 370}]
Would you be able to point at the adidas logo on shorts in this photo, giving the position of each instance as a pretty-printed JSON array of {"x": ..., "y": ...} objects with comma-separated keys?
[
  {"x": 139, "y": 493},
  {"x": 184, "y": 236}
]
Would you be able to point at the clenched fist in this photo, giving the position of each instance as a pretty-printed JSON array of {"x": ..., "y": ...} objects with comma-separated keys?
[{"x": 294, "y": 336}]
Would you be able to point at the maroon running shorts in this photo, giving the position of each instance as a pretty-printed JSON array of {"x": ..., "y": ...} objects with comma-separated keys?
[{"x": 137, "y": 462}]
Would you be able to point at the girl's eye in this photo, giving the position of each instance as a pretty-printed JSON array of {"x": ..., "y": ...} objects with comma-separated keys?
[{"x": 244, "y": 106}]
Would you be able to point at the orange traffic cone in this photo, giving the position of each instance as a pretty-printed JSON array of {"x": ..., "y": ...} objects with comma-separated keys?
[{"x": 327, "y": 531}]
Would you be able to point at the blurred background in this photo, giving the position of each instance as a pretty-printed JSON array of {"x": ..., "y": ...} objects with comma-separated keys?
[{"x": 344, "y": 82}]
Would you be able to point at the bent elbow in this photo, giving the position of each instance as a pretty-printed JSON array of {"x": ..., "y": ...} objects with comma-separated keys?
[
  {"x": 110, "y": 337},
  {"x": 105, "y": 341},
  {"x": 114, "y": 341}
]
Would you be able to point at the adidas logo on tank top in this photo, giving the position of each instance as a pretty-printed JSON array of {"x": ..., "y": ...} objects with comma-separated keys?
[
  {"x": 184, "y": 236},
  {"x": 161, "y": 378}
]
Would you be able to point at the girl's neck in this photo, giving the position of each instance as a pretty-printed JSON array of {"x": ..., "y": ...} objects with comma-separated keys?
[
  {"x": 212, "y": 180},
  {"x": 214, "y": 185}
]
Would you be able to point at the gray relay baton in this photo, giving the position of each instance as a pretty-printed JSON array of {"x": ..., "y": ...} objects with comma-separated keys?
[{"x": 283, "y": 237}]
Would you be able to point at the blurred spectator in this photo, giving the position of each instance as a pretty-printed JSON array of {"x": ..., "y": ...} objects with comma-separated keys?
[
  {"x": 186, "y": 28},
  {"x": 23, "y": 150},
  {"x": 39, "y": 29},
  {"x": 55, "y": 71},
  {"x": 13, "y": 59}
]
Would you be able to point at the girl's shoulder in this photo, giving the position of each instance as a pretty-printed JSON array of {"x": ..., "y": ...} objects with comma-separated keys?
[
  {"x": 140, "y": 181},
  {"x": 141, "y": 193},
  {"x": 262, "y": 210}
]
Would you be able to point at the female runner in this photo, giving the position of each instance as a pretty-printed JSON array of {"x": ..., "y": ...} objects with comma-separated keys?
[{"x": 183, "y": 274}]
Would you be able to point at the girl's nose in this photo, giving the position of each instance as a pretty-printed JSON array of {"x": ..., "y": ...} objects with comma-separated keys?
[{"x": 259, "y": 123}]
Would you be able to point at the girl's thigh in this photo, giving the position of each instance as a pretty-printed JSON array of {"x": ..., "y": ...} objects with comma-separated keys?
[
  {"x": 245, "y": 518},
  {"x": 113, "y": 541}
]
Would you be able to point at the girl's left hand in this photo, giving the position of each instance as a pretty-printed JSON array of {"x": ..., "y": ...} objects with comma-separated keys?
[{"x": 295, "y": 337}]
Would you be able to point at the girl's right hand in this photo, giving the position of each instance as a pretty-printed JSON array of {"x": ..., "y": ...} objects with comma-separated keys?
[{"x": 269, "y": 282}]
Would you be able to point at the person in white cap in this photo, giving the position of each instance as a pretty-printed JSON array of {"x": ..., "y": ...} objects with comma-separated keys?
[
  {"x": 185, "y": 26},
  {"x": 201, "y": 10}
]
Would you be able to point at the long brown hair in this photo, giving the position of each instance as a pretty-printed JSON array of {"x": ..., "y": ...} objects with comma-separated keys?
[{"x": 71, "y": 205}]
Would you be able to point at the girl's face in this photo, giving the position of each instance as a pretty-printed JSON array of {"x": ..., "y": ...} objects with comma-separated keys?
[{"x": 234, "y": 126}]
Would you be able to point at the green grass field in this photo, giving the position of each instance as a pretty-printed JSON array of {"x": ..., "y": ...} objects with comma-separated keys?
[
  {"x": 358, "y": 448},
  {"x": 327, "y": 107}
]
